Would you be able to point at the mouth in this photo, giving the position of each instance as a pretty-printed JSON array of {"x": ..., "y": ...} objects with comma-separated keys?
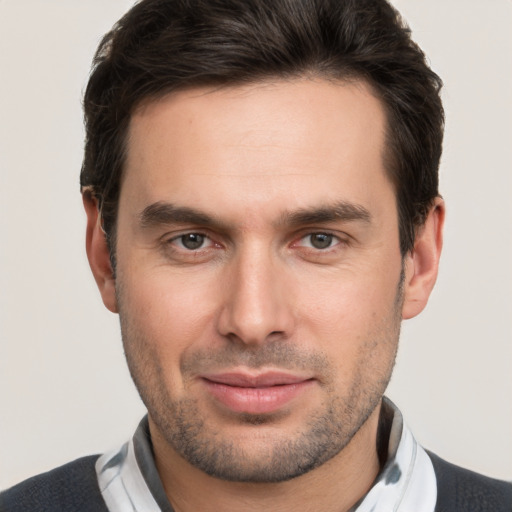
[{"x": 264, "y": 393}]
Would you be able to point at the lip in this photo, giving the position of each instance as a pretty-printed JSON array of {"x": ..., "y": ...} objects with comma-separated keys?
[{"x": 256, "y": 394}]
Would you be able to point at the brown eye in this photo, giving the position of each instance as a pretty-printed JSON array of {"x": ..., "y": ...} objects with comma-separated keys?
[{"x": 320, "y": 240}]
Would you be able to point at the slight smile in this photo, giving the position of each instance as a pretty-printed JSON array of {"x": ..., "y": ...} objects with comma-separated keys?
[{"x": 255, "y": 394}]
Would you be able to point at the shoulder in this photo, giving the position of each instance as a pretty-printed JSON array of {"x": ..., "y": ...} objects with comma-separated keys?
[
  {"x": 461, "y": 490},
  {"x": 72, "y": 487}
]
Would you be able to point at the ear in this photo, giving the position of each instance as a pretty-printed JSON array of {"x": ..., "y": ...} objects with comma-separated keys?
[
  {"x": 422, "y": 262},
  {"x": 98, "y": 253}
]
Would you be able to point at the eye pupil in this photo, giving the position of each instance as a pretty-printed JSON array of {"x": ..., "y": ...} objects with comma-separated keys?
[
  {"x": 321, "y": 240},
  {"x": 192, "y": 241}
]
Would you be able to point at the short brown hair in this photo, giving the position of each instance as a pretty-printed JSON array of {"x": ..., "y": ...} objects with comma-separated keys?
[{"x": 161, "y": 46}]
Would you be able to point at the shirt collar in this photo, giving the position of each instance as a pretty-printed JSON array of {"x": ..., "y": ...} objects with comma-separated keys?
[
  {"x": 407, "y": 480},
  {"x": 129, "y": 481}
]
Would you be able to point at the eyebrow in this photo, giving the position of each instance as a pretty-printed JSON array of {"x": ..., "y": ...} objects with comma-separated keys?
[
  {"x": 162, "y": 213},
  {"x": 340, "y": 211}
]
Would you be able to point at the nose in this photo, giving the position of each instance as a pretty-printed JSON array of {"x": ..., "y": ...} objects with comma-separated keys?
[{"x": 258, "y": 299}]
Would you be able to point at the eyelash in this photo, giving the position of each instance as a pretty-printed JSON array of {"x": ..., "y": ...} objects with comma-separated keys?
[
  {"x": 181, "y": 236},
  {"x": 333, "y": 240},
  {"x": 172, "y": 242}
]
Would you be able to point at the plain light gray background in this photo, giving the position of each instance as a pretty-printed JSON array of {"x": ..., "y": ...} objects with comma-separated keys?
[{"x": 64, "y": 388}]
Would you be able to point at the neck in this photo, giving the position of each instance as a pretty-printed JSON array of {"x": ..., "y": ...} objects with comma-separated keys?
[{"x": 334, "y": 486}]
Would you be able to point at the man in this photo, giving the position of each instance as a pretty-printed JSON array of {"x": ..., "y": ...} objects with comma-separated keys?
[{"x": 260, "y": 183}]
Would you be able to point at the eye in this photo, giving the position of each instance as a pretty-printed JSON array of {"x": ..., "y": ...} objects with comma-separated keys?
[
  {"x": 319, "y": 241},
  {"x": 192, "y": 241}
]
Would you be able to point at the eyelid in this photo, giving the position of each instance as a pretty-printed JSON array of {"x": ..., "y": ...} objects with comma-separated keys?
[
  {"x": 340, "y": 240},
  {"x": 171, "y": 238},
  {"x": 334, "y": 237}
]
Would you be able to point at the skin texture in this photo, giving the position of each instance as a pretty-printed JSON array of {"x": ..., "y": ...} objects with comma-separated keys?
[{"x": 258, "y": 233}]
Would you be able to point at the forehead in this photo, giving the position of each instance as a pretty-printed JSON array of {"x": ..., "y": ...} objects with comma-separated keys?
[{"x": 286, "y": 140}]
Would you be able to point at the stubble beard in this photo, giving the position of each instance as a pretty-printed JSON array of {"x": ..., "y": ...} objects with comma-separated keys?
[{"x": 278, "y": 459}]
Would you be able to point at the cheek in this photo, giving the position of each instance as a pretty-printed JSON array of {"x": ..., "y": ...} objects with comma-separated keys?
[
  {"x": 349, "y": 298},
  {"x": 351, "y": 315},
  {"x": 172, "y": 316}
]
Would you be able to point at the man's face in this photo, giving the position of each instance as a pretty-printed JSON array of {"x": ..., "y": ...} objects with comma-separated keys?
[{"x": 258, "y": 272}]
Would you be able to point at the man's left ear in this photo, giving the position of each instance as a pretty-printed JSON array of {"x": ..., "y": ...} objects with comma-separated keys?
[{"x": 422, "y": 262}]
